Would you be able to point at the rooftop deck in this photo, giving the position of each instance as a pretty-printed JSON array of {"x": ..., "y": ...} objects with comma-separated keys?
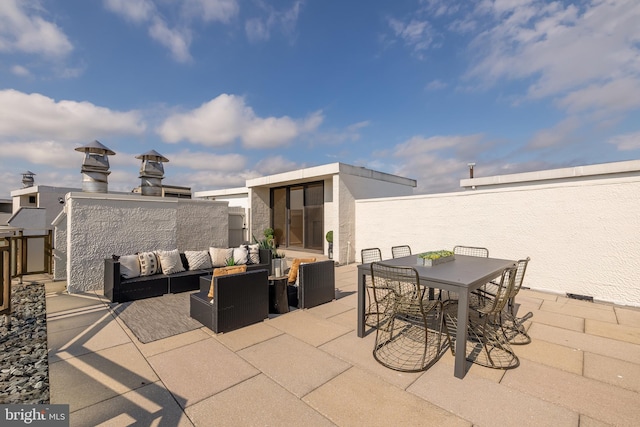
[{"x": 308, "y": 367}]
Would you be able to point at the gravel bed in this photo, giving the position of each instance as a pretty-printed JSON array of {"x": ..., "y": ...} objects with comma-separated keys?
[{"x": 24, "y": 367}]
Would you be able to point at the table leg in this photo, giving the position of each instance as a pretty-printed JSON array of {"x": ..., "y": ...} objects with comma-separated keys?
[
  {"x": 361, "y": 302},
  {"x": 461, "y": 335}
]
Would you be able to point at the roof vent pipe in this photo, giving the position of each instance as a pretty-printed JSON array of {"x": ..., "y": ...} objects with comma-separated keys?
[
  {"x": 471, "y": 165},
  {"x": 151, "y": 173},
  {"x": 27, "y": 179},
  {"x": 95, "y": 167}
]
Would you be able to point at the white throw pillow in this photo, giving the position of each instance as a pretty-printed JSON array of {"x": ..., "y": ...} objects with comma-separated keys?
[
  {"x": 254, "y": 254},
  {"x": 240, "y": 255},
  {"x": 219, "y": 256},
  {"x": 129, "y": 266},
  {"x": 198, "y": 260},
  {"x": 170, "y": 261},
  {"x": 148, "y": 263}
]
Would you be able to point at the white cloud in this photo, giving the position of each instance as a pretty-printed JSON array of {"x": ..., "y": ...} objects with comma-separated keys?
[
  {"x": 436, "y": 162},
  {"x": 134, "y": 10},
  {"x": 436, "y": 85},
  {"x": 576, "y": 54},
  {"x": 177, "y": 41},
  {"x": 226, "y": 118},
  {"x": 276, "y": 164},
  {"x": 21, "y": 71},
  {"x": 259, "y": 29},
  {"x": 49, "y": 153},
  {"x": 418, "y": 146},
  {"x": 618, "y": 95},
  {"x": 203, "y": 160},
  {"x": 25, "y": 116},
  {"x": 177, "y": 38},
  {"x": 23, "y": 30},
  {"x": 211, "y": 10},
  {"x": 416, "y": 34},
  {"x": 626, "y": 142},
  {"x": 560, "y": 134}
]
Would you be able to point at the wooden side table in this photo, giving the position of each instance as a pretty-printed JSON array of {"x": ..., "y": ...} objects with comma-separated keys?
[{"x": 278, "y": 299}]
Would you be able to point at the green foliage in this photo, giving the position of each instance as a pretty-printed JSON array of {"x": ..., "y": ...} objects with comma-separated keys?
[
  {"x": 329, "y": 236},
  {"x": 268, "y": 233},
  {"x": 435, "y": 254},
  {"x": 229, "y": 262},
  {"x": 266, "y": 243}
]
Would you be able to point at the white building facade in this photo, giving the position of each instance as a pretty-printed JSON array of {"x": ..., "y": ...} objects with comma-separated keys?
[{"x": 303, "y": 205}]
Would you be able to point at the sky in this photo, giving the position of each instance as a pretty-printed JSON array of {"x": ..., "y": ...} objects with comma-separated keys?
[{"x": 230, "y": 90}]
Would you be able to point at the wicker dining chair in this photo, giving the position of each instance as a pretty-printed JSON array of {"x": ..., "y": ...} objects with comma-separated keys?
[
  {"x": 488, "y": 340},
  {"x": 409, "y": 325},
  {"x": 368, "y": 256},
  {"x": 514, "y": 325},
  {"x": 468, "y": 251},
  {"x": 400, "y": 251},
  {"x": 471, "y": 251}
]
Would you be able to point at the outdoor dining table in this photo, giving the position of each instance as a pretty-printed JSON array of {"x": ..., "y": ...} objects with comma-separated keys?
[{"x": 462, "y": 276}]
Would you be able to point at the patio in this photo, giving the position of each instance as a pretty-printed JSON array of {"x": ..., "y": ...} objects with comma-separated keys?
[{"x": 309, "y": 367}]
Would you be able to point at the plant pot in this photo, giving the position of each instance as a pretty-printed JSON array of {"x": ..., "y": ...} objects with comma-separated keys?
[{"x": 431, "y": 262}]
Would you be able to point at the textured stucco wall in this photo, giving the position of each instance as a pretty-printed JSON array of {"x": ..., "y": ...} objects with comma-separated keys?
[
  {"x": 202, "y": 224},
  {"x": 350, "y": 189},
  {"x": 99, "y": 226},
  {"x": 582, "y": 237},
  {"x": 260, "y": 211},
  {"x": 60, "y": 251}
]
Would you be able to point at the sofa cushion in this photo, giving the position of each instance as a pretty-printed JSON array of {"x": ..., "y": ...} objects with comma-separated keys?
[
  {"x": 219, "y": 256},
  {"x": 129, "y": 266},
  {"x": 295, "y": 265},
  {"x": 254, "y": 254},
  {"x": 223, "y": 271},
  {"x": 240, "y": 255},
  {"x": 148, "y": 263},
  {"x": 170, "y": 261},
  {"x": 198, "y": 260}
]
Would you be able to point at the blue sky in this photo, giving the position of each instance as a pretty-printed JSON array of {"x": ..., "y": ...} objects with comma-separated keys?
[{"x": 229, "y": 90}]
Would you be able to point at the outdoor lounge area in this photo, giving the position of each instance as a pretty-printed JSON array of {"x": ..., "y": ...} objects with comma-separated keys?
[{"x": 308, "y": 366}]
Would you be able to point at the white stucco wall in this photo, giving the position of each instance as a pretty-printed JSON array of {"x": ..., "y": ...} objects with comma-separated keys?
[
  {"x": 350, "y": 189},
  {"x": 99, "y": 226},
  {"x": 582, "y": 237},
  {"x": 60, "y": 247}
]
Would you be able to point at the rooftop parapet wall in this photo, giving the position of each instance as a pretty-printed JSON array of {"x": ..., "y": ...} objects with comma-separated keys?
[
  {"x": 99, "y": 226},
  {"x": 582, "y": 236}
]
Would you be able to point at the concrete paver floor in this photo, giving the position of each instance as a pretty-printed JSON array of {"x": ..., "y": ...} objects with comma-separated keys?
[{"x": 308, "y": 367}]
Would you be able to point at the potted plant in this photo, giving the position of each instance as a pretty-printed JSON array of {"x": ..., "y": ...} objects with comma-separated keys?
[{"x": 329, "y": 237}]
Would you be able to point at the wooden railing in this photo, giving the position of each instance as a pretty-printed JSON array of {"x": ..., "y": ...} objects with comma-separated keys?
[{"x": 5, "y": 277}]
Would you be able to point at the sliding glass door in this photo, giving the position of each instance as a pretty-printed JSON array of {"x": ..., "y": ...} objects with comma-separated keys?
[{"x": 297, "y": 215}]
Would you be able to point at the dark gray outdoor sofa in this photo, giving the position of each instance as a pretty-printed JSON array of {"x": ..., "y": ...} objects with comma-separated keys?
[{"x": 119, "y": 289}]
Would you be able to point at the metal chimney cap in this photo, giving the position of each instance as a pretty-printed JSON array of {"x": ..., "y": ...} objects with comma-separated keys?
[
  {"x": 28, "y": 173},
  {"x": 96, "y": 146},
  {"x": 152, "y": 155}
]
